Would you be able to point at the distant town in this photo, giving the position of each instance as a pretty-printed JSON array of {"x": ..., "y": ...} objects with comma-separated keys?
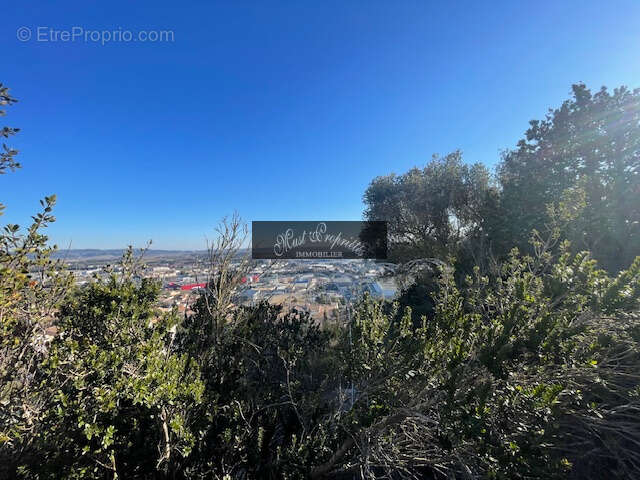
[{"x": 323, "y": 288}]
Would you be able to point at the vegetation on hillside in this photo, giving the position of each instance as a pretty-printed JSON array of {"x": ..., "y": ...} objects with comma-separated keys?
[{"x": 517, "y": 358}]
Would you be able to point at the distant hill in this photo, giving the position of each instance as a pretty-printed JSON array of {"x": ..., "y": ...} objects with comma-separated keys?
[{"x": 99, "y": 254}]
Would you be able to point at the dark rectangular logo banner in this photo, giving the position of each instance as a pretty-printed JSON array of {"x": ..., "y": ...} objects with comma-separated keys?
[{"x": 319, "y": 240}]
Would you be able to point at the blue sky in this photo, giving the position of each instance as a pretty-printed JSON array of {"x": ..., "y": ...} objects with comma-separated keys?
[{"x": 278, "y": 110}]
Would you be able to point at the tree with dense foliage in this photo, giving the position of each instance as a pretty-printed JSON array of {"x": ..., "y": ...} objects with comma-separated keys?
[
  {"x": 586, "y": 153},
  {"x": 589, "y": 148},
  {"x": 430, "y": 211}
]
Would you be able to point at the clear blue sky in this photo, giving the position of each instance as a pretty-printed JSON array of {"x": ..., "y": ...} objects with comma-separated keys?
[{"x": 278, "y": 110}]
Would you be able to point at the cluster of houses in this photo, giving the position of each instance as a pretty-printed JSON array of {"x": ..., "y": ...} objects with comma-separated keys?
[{"x": 321, "y": 288}]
